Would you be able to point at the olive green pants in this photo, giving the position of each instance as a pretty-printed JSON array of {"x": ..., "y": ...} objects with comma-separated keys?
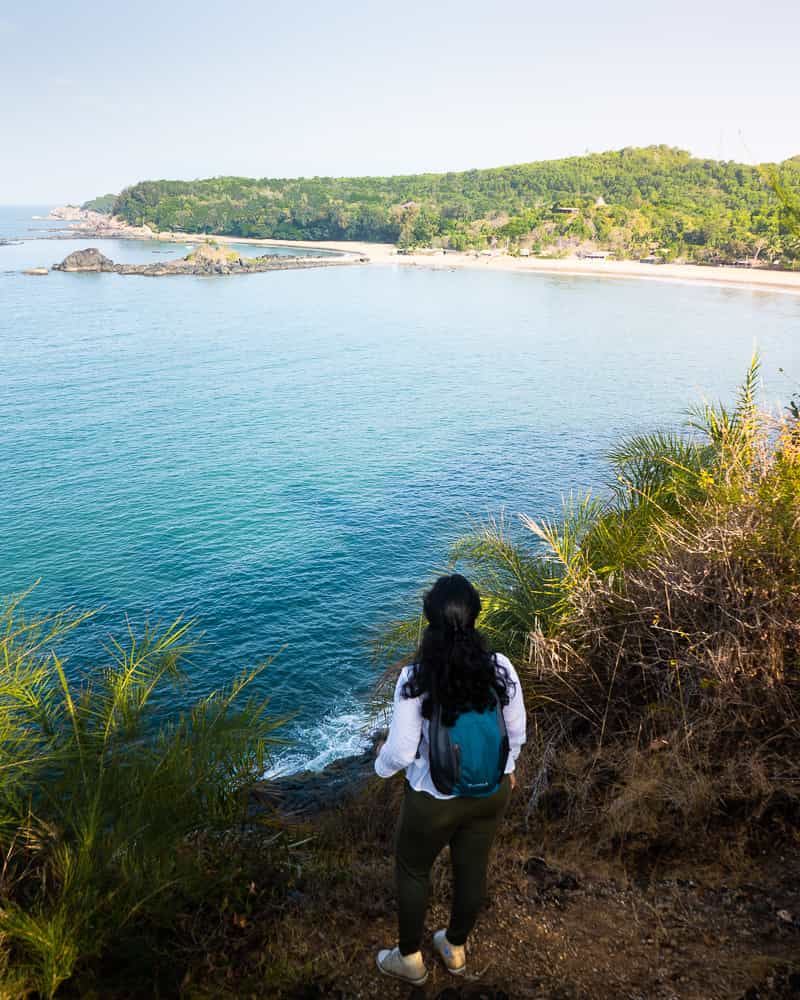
[{"x": 426, "y": 826}]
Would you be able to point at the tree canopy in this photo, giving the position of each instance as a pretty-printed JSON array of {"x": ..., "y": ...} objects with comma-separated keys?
[
  {"x": 629, "y": 202},
  {"x": 103, "y": 203}
]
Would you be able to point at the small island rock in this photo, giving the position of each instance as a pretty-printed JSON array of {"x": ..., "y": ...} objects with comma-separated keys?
[
  {"x": 205, "y": 260},
  {"x": 85, "y": 260}
]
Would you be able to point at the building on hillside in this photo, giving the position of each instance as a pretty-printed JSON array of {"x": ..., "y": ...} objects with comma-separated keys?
[
  {"x": 599, "y": 202},
  {"x": 565, "y": 209}
]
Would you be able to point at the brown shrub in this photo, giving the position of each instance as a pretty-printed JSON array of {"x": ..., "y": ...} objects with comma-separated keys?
[{"x": 669, "y": 711}]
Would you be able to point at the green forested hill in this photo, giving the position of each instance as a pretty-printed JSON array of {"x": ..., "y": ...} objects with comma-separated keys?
[
  {"x": 105, "y": 203},
  {"x": 629, "y": 201}
]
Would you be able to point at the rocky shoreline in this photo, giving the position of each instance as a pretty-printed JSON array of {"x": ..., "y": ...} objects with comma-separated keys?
[
  {"x": 204, "y": 261},
  {"x": 308, "y": 793},
  {"x": 86, "y": 222}
]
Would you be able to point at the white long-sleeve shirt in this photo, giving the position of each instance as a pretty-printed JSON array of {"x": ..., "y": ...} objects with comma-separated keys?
[{"x": 409, "y": 732}]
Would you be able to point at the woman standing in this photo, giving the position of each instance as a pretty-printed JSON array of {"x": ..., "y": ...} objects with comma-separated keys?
[{"x": 453, "y": 677}]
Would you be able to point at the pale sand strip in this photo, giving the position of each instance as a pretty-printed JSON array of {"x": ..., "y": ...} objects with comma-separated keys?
[{"x": 386, "y": 253}]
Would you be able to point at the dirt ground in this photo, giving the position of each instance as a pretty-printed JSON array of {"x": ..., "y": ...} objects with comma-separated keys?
[
  {"x": 554, "y": 929},
  {"x": 565, "y": 936}
]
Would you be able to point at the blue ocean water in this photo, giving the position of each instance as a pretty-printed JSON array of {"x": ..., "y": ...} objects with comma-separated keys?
[{"x": 287, "y": 456}]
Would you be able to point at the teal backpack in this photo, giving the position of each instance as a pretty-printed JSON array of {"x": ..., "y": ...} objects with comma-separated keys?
[{"x": 469, "y": 758}]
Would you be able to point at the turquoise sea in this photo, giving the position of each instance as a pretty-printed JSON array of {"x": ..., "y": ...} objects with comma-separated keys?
[{"x": 288, "y": 455}]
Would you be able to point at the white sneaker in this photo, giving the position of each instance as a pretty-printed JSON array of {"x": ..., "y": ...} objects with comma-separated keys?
[
  {"x": 409, "y": 968},
  {"x": 453, "y": 955}
]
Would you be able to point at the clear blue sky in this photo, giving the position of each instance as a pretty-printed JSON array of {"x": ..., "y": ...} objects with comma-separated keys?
[{"x": 94, "y": 97}]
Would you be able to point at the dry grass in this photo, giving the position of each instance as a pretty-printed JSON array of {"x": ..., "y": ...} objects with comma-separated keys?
[{"x": 671, "y": 704}]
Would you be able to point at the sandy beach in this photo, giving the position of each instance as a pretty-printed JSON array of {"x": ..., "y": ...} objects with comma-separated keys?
[{"x": 386, "y": 254}]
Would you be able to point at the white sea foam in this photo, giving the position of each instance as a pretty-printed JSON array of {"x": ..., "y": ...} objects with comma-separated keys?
[{"x": 313, "y": 747}]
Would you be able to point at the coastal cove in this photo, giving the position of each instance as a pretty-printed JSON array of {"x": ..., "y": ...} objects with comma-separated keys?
[
  {"x": 95, "y": 226},
  {"x": 288, "y": 457}
]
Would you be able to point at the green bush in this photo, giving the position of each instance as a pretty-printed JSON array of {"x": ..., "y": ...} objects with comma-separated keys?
[{"x": 101, "y": 788}]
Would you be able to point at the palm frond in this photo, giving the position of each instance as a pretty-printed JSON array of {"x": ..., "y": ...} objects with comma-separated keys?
[
  {"x": 563, "y": 538},
  {"x": 662, "y": 464},
  {"x": 747, "y": 396}
]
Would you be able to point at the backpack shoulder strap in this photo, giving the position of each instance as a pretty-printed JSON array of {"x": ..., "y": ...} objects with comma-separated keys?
[
  {"x": 443, "y": 760},
  {"x": 505, "y": 745}
]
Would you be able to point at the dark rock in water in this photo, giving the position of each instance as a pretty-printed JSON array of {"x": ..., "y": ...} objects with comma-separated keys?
[
  {"x": 311, "y": 792},
  {"x": 85, "y": 260},
  {"x": 203, "y": 261}
]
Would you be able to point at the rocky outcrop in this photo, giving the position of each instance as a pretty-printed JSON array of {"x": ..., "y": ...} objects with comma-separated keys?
[
  {"x": 88, "y": 223},
  {"x": 86, "y": 260},
  {"x": 205, "y": 260},
  {"x": 67, "y": 213},
  {"x": 311, "y": 792}
]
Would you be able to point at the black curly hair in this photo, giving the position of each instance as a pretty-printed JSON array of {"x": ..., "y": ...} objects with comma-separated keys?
[{"x": 454, "y": 667}]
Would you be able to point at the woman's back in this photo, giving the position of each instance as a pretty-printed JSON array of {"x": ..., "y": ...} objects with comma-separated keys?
[{"x": 408, "y": 744}]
